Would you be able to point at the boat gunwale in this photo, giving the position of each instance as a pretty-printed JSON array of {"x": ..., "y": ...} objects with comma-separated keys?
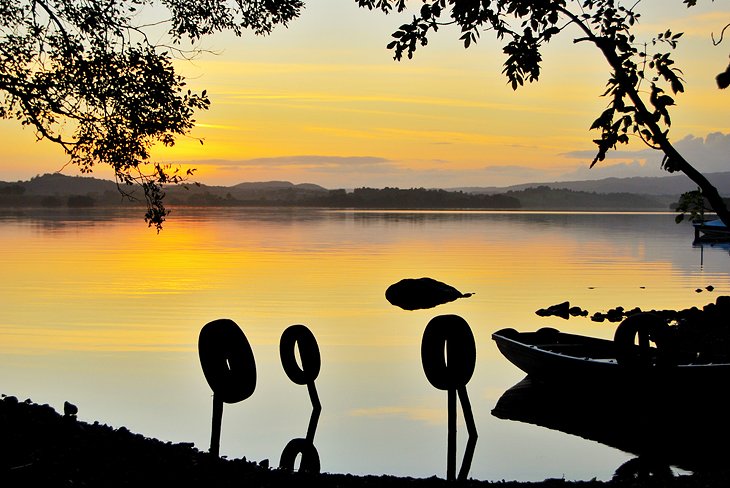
[{"x": 586, "y": 340}]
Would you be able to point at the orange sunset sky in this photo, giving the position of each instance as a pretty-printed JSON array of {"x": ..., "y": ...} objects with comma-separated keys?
[{"x": 322, "y": 101}]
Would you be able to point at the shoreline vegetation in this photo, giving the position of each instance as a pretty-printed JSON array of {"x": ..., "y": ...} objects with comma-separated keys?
[{"x": 75, "y": 192}]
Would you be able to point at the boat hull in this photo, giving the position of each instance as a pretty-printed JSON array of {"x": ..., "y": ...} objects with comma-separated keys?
[{"x": 550, "y": 355}]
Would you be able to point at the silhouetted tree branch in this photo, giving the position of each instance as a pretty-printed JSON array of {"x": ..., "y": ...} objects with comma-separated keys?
[
  {"x": 86, "y": 76},
  {"x": 643, "y": 79}
]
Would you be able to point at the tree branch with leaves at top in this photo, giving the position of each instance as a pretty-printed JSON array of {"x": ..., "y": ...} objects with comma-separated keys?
[
  {"x": 85, "y": 75},
  {"x": 643, "y": 79}
]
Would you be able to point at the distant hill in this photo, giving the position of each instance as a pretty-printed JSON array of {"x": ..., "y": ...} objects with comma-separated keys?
[
  {"x": 278, "y": 185},
  {"x": 62, "y": 185},
  {"x": 673, "y": 185},
  {"x": 57, "y": 190},
  {"x": 253, "y": 193},
  {"x": 639, "y": 193},
  {"x": 545, "y": 198}
]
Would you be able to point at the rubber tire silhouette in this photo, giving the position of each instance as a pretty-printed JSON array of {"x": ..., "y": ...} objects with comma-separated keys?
[
  {"x": 227, "y": 360},
  {"x": 301, "y": 336},
  {"x": 310, "y": 457},
  {"x": 648, "y": 327},
  {"x": 448, "y": 352}
]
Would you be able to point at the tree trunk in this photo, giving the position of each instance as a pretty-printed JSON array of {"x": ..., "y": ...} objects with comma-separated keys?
[
  {"x": 677, "y": 161},
  {"x": 674, "y": 157},
  {"x": 708, "y": 189}
]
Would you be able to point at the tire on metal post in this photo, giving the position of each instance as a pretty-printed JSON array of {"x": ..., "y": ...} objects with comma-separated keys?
[
  {"x": 448, "y": 352},
  {"x": 227, "y": 360},
  {"x": 300, "y": 336}
]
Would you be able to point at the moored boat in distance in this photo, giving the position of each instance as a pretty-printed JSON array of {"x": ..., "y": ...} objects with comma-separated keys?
[{"x": 711, "y": 230}]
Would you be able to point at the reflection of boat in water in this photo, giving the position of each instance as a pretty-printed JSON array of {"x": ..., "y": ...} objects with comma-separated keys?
[
  {"x": 551, "y": 355},
  {"x": 670, "y": 427}
]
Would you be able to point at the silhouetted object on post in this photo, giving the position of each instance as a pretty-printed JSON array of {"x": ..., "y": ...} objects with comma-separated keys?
[
  {"x": 229, "y": 368},
  {"x": 299, "y": 336},
  {"x": 448, "y": 354},
  {"x": 420, "y": 293}
]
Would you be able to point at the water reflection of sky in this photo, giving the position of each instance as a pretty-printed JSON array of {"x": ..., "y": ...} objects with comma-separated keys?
[{"x": 105, "y": 313}]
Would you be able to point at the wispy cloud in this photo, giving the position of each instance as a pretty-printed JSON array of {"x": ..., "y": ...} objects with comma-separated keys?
[
  {"x": 218, "y": 126},
  {"x": 301, "y": 161},
  {"x": 618, "y": 154},
  {"x": 304, "y": 97}
]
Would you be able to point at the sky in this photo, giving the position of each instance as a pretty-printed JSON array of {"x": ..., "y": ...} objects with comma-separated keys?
[{"x": 322, "y": 101}]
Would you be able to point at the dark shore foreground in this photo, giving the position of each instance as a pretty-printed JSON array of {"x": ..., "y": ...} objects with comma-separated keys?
[{"x": 42, "y": 447}]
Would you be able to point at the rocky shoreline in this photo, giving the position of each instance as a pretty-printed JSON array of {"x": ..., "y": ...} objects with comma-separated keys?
[{"x": 41, "y": 447}]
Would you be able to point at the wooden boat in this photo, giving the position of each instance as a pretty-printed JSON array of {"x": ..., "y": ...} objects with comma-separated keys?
[{"x": 551, "y": 355}]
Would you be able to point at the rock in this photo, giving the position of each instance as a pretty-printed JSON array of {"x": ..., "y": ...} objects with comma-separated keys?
[
  {"x": 561, "y": 310},
  {"x": 420, "y": 293},
  {"x": 723, "y": 302},
  {"x": 577, "y": 312},
  {"x": 615, "y": 314},
  {"x": 70, "y": 410}
]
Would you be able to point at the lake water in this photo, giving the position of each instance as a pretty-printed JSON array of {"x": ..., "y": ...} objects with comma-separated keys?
[{"x": 99, "y": 310}]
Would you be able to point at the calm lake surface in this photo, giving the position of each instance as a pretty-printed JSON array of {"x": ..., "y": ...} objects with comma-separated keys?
[{"x": 99, "y": 310}]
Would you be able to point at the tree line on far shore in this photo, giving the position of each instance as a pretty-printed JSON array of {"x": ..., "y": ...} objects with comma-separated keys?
[{"x": 57, "y": 191}]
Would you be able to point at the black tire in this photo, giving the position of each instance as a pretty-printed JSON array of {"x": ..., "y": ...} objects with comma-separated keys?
[
  {"x": 448, "y": 352},
  {"x": 227, "y": 360},
  {"x": 299, "y": 336},
  {"x": 310, "y": 457},
  {"x": 648, "y": 327}
]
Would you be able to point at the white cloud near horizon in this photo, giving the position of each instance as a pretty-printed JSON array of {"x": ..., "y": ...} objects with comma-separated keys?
[{"x": 710, "y": 154}]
